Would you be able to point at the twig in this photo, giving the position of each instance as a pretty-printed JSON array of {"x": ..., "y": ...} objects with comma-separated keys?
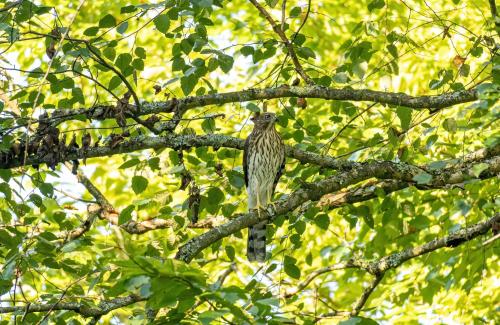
[
  {"x": 493, "y": 9},
  {"x": 283, "y": 15},
  {"x": 491, "y": 240},
  {"x": 330, "y": 142},
  {"x": 366, "y": 294},
  {"x": 313, "y": 275},
  {"x": 11, "y": 5},
  {"x": 284, "y": 38}
]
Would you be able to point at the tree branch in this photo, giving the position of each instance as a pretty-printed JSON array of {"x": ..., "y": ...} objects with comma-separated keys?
[
  {"x": 180, "y": 106},
  {"x": 313, "y": 275},
  {"x": 366, "y": 294},
  {"x": 176, "y": 142},
  {"x": 378, "y": 267},
  {"x": 11, "y": 5},
  {"x": 380, "y": 170},
  {"x": 493, "y": 9},
  {"x": 104, "y": 307},
  {"x": 105, "y": 210},
  {"x": 453, "y": 240},
  {"x": 173, "y": 141},
  {"x": 279, "y": 31}
]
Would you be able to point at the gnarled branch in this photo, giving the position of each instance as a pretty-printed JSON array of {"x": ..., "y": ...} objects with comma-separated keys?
[
  {"x": 391, "y": 261},
  {"x": 381, "y": 170},
  {"x": 104, "y": 307},
  {"x": 181, "y": 105}
]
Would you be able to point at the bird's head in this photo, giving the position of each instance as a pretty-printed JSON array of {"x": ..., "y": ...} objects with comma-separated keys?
[{"x": 264, "y": 121}]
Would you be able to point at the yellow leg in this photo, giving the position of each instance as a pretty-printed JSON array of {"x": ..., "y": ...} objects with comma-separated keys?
[
  {"x": 259, "y": 205},
  {"x": 269, "y": 200}
]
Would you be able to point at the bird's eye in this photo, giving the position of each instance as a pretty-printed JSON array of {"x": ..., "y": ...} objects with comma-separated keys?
[{"x": 268, "y": 116}]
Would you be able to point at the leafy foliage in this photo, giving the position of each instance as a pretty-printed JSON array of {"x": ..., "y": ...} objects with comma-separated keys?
[{"x": 113, "y": 58}]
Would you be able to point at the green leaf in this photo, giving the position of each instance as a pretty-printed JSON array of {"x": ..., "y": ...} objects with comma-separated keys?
[
  {"x": 422, "y": 178},
  {"x": 306, "y": 52},
  {"x": 128, "y": 9},
  {"x": 91, "y": 31},
  {"x": 431, "y": 140},
  {"x": 271, "y": 3},
  {"x": 404, "y": 115},
  {"x": 313, "y": 130},
  {"x": 114, "y": 82},
  {"x": 292, "y": 271},
  {"x": 464, "y": 70},
  {"x": 5, "y": 174},
  {"x": 162, "y": 23},
  {"x": 77, "y": 94},
  {"x": 236, "y": 179},
  {"x": 126, "y": 214},
  {"x": 230, "y": 252},
  {"x": 298, "y": 136},
  {"x": 208, "y": 125},
  {"x": 5, "y": 189},
  {"x": 358, "y": 321},
  {"x": 138, "y": 64},
  {"x": 154, "y": 163},
  {"x": 225, "y": 62},
  {"x": 123, "y": 61},
  {"x": 295, "y": 12},
  {"x": 46, "y": 189},
  {"x": 139, "y": 184},
  {"x": 140, "y": 52},
  {"x": 393, "y": 50},
  {"x": 107, "y": 21},
  {"x": 300, "y": 227},
  {"x": 322, "y": 221},
  {"x": 129, "y": 163},
  {"x": 109, "y": 53},
  {"x": 376, "y": 4},
  {"x": 477, "y": 169},
  {"x": 450, "y": 125},
  {"x": 252, "y": 107},
  {"x": 247, "y": 50},
  {"x": 188, "y": 83},
  {"x": 122, "y": 28},
  {"x": 215, "y": 196},
  {"x": 36, "y": 199}
]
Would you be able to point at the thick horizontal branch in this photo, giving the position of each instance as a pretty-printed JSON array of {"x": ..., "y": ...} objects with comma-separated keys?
[
  {"x": 401, "y": 99},
  {"x": 104, "y": 307},
  {"x": 313, "y": 192},
  {"x": 168, "y": 141},
  {"x": 176, "y": 141},
  {"x": 391, "y": 261},
  {"x": 181, "y": 105}
]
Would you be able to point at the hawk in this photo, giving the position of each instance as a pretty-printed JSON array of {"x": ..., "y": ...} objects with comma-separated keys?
[{"x": 263, "y": 164}]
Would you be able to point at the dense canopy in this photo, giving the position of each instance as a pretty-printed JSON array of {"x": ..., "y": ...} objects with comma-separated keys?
[{"x": 122, "y": 195}]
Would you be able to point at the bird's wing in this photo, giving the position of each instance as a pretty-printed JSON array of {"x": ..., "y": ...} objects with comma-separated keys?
[
  {"x": 278, "y": 175},
  {"x": 245, "y": 160}
]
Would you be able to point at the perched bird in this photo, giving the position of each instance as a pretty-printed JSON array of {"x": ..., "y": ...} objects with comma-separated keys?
[{"x": 263, "y": 164}]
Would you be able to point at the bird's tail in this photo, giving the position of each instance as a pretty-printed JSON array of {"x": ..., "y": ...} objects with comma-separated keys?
[{"x": 256, "y": 246}]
